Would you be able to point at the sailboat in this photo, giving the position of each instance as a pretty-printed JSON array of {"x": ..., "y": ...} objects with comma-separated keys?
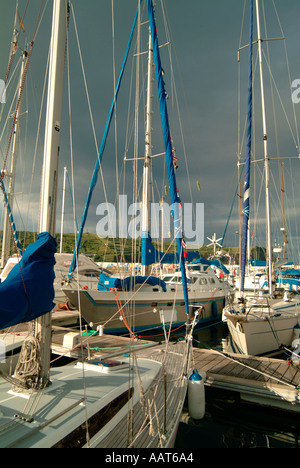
[
  {"x": 266, "y": 323},
  {"x": 135, "y": 401},
  {"x": 159, "y": 300}
]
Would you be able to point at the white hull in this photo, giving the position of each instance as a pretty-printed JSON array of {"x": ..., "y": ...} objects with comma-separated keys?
[
  {"x": 63, "y": 411},
  {"x": 148, "y": 306},
  {"x": 262, "y": 332},
  {"x": 101, "y": 308}
]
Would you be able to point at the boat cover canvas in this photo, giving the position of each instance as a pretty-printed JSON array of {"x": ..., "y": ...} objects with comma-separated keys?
[
  {"x": 151, "y": 255},
  {"x": 28, "y": 291},
  {"x": 215, "y": 263},
  {"x": 126, "y": 284}
]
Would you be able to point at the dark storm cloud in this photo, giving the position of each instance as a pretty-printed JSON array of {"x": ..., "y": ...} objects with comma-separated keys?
[{"x": 205, "y": 36}]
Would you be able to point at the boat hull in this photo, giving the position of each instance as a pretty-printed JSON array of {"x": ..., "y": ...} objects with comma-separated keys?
[
  {"x": 65, "y": 409},
  {"x": 148, "y": 310},
  {"x": 264, "y": 335}
]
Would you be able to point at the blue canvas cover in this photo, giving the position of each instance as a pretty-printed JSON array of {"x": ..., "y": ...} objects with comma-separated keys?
[
  {"x": 28, "y": 291},
  {"x": 215, "y": 263},
  {"x": 151, "y": 255},
  {"x": 291, "y": 272},
  {"x": 126, "y": 284}
]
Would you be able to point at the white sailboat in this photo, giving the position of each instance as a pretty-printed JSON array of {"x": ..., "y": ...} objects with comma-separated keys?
[
  {"x": 158, "y": 300},
  {"x": 96, "y": 403},
  {"x": 264, "y": 324}
]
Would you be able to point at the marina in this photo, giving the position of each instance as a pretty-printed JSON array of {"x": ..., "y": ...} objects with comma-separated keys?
[{"x": 128, "y": 332}]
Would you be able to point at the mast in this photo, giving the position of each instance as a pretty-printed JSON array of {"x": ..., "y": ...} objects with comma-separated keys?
[
  {"x": 240, "y": 215},
  {"x": 62, "y": 211},
  {"x": 246, "y": 209},
  {"x": 12, "y": 174},
  {"x": 146, "y": 220},
  {"x": 283, "y": 215},
  {"x": 266, "y": 156},
  {"x": 51, "y": 157}
]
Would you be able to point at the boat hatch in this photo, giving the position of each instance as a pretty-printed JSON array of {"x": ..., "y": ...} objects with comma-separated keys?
[{"x": 103, "y": 365}]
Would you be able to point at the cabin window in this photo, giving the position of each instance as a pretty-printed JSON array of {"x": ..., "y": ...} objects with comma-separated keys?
[{"x": 77, "y": 438}]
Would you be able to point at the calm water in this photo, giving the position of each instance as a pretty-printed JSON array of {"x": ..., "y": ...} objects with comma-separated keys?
[{"x": 229, "y": 423}]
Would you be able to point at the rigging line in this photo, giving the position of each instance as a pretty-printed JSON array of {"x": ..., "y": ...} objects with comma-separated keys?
[
  {"x": 268, "y": 61},
  {"x": 85, "y": 80},
  {"x": 114, "y": 81},
  {"x": 177, "y": 105},
  {"x": 89, "y": 106},
  {"x": 36, "y": 145},
  {"x": 292, "y": 248},
  {"x": 136, "y": 126},
  {"x": 231, "y": 208},
  {"x": 15, "y": 48},
  {"x": 293, "y": 192},
  {"x": 174, "y": 88},
  {"x": 281, "y": 103},
  {"x": 256, "y": 208},
  {"x": 75, "y": 230},
  {"x": 9, "y": 113},
  {"x": 21, "y": 89},
  {"x": 101, "y": 151},
  {"x": 289, "y": 74}
]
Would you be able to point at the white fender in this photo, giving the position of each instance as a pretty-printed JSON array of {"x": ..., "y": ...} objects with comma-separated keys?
[{"x": 196, "y": 395}]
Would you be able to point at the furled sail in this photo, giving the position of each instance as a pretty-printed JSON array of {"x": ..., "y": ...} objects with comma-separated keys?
[
  {"x": 168, "y": 148},
  {"x": 28, "y": 290},
  {"x": 248, "y": 158}
]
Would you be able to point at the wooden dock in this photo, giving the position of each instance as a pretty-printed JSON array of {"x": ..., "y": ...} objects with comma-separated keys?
[{"x": 265, "y": 381}]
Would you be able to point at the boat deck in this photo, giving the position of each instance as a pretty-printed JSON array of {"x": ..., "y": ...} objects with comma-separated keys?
[
  {"x": 142, "y": 424},
  {"x": 262, "y": 380}
]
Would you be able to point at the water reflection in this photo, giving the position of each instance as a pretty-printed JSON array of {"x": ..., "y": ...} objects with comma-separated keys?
[{"x": 230, "y": 423}]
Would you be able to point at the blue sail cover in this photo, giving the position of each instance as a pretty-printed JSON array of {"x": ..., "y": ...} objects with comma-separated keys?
[
  {"x": 28, "y": 290},
  {"x": 126, "y": 284},
  {"x": 248, "y": 157},
  {"x": 292, "y": 273},
  {"x": 151, "y": 255},
  {"x": 258, "y": 263}
]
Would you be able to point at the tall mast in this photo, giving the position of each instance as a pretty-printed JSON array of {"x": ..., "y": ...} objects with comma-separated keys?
[
  {"x": 51, "y": 156},
  {"x": 283, "y": 215},
  {"x": 12, "y": 173},
  {"x": 147, "y": 161},
  {"x": 266, "y": 156},
  {"x": 63, "y": 211},
  {"x": 246, "y": 206}
]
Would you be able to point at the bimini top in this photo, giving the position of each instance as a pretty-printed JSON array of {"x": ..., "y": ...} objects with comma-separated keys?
[{"x": 28, "y": 291}]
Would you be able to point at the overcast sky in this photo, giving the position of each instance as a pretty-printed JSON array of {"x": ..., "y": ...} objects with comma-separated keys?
[{"x": 205, "y": 37}]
